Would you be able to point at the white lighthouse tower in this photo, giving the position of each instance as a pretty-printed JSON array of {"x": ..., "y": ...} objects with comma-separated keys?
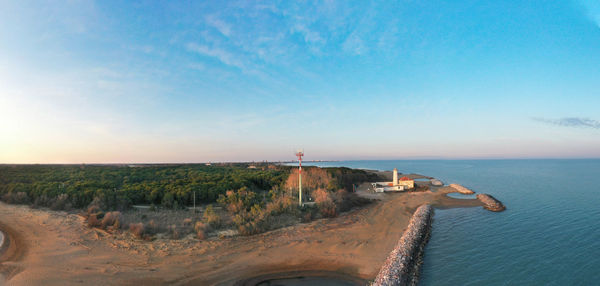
[{"x": 395, "y": 180}]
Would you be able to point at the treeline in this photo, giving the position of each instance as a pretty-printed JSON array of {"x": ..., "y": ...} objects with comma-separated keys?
[
  {"x": 117, "y": 187},
  {"x": 331, "y": 179}
]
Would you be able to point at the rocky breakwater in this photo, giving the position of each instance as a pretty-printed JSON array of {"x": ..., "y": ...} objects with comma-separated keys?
[
  {"x": 2, "y": 243},
  {"x": 436, "y": 182},
  {"x": 403, "y": 264},
  {"x": 461, "y": 189},
  {"x": 491, "y": 203}
]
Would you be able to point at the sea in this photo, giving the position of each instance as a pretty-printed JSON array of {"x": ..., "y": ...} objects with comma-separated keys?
[{"x": 549, "y": 233}]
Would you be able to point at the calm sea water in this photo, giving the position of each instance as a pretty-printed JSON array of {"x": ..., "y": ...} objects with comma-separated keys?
[{"x": 549, "y": 234}]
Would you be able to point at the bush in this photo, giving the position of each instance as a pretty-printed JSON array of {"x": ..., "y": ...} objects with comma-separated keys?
[
  {"x": 93, "y": 209},
  {"x": 61, "y": 203},
  {"x": 211, "y": 217},
  {"x": 19, "y": 198},
  {"x": 151, "y": 228},
  {"x": 201, "y": 230},
  {"x": 174, "y": 231},
  {"x": 280, "y": 205},
  {"x": 137, "y": 229},
  {"x": 41, "y": 201},
  {"x": 239, "y": 201},
  {"x": 111, "y": 219},
  {"x": 93, "y": 221},
  {"x": 325, "y": 203}
]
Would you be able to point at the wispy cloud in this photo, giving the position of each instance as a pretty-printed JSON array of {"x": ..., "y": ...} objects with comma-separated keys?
[
  {"x": 310, "y": 36},
  {"x": 220, "y": 54},
  {"x": 354, "y": 45},
  {"x": 571, "y": 122},
  {"x": 221, "y": 26}
]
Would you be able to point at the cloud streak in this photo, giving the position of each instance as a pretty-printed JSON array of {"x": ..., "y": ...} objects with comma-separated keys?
[
  {"x": 222, "y": 55},
  {"x": 571, "y": 122}
]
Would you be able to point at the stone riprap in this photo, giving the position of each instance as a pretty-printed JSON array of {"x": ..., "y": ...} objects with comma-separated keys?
[
  {"x": 403, "y": 264},
  {"x": 436, "y": 182},
  {"x": 2, "y": 241},
  {"x": 461, "y": 189},
  {"x": 491, "y": 203}
]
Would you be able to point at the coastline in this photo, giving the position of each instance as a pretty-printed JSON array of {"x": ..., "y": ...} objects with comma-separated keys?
[
  {"x": 354, "y": 244},
  {"x": 402, "y": 267}
]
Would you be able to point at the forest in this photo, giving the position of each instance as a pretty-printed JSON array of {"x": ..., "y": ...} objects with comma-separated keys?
[{"x": 117, "y": 187}]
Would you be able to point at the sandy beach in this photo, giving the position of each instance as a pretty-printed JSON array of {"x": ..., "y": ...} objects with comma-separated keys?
[{"x": 55, "y": 248}]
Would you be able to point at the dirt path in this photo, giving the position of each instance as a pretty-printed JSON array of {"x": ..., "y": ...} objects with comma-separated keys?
[{"x": 58, "y": 249}]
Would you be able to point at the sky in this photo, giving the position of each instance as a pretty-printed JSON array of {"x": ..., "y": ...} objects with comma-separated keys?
[{"x": 200, "y": 81}]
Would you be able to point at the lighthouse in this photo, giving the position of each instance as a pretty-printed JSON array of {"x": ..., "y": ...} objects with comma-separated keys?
[{"x": 395, "y": 180}]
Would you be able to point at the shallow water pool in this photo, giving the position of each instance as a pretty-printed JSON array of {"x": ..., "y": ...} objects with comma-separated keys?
[{"x": 461, "y": 196}]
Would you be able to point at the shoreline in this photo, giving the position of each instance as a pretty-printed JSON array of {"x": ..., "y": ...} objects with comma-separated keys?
[
  {"x": 354, "y": 244},
  {"x": 403, "y": 265}
]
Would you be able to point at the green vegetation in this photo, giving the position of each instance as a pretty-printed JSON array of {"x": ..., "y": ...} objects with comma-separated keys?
[
  {"x": 251, "y": 200},
  {"x": 117, "y": 187}
]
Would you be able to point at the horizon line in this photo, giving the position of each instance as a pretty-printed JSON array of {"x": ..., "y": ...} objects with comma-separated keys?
[{"x": 315, "y": 160}]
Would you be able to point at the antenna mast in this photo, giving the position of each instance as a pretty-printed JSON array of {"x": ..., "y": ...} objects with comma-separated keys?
[{"x": 299, "y": 154}]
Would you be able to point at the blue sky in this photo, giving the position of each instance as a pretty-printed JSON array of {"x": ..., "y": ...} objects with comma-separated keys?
[{"x": 197, "y": 81}]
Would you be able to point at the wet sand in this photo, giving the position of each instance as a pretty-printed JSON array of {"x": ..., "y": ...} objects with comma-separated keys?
[{"x": 58, "y": 249}]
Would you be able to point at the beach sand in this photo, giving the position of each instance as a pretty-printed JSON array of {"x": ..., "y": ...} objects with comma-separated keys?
[{"x": 55, "y": 248}]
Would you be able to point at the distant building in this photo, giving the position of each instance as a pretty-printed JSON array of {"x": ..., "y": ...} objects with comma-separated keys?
[
  {"x": 406, "y": 182},
  {"x": 396, "y": 185}
]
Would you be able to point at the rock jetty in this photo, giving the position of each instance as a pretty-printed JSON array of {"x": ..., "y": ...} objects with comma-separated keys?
[
  {"x": 403, "y": 264},
  {"x": 3, "y": 244},
  {"x": 491, "y": 203},
  {"x": 436, "y": 182},
  {"x": 461, "y": 189}
]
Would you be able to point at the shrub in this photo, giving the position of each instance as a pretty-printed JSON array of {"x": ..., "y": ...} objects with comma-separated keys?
[
  {"x": 306, "y": 217},
  {"x": 211, "y": 217},
  {"x": 93, "y": 209},
  {"x": 151, "y": 228},
  {"x": 93, "y": 221},
  {"x": 137, "y": 229},
  {"x": 41, "y": 201},
  {"x": 201, "y": 230},
  {"x": 201, "y": 234},
  {"x": 61, "y": 203},
  {"x": 111, "y": 219},
  {"x": 16, "y": 198},
  {"x": 280, "y": 205},
  {"x": 174, "y": 231},
  {"x": 325, "y": 203},
  {"x": 98, "y": 202},
  {"x": 239, "y": 201}
]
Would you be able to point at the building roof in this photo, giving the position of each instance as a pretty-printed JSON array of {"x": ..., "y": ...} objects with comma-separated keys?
[{"x": 405, "y": 179}]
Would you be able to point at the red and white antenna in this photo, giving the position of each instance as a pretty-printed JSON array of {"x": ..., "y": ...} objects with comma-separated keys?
[{"x": 299, "y": 154}]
